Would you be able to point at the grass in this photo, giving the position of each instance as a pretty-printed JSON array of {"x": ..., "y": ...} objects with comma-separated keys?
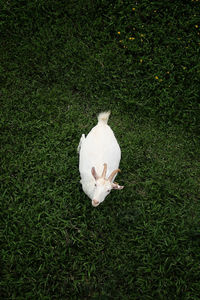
[{"x": 61, "y": 65}]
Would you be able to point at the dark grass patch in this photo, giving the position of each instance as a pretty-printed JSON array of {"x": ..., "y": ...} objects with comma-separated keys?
[{"x": 151, "y": 67}]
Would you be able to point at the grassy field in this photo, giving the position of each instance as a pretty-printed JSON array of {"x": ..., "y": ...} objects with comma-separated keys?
[{"x": 60, "y": 65}]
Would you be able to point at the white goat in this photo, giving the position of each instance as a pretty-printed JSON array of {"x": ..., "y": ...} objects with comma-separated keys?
[{"x": 99, "y": 155}]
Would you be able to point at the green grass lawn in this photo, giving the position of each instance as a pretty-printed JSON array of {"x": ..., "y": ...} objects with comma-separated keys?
[{"x": 61, "y": 64}]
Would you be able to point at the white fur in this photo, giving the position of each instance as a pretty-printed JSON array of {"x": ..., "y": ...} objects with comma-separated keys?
[{"x": 99, "y": 147}]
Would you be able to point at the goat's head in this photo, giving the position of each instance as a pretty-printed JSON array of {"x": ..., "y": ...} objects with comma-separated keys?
[{"x": 103, "y": 186}]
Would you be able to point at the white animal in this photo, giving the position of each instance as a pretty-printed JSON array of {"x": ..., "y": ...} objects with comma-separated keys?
[{"x": 99, "y": 158}]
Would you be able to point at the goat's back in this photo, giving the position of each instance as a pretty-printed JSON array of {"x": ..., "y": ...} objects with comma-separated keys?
[{"x": 99, "y": 147}]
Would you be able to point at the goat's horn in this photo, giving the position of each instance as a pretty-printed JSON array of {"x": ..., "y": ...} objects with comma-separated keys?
[
  {"x": 104, "y": 171},
  {"x": 110, "y": 178},
  {"x": 94, "y": 173}
]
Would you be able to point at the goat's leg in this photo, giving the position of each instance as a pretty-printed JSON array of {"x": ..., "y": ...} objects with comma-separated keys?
[{"x": 80, "y": 143}]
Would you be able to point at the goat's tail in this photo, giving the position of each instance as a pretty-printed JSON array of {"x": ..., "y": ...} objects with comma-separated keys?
[{"x": 103, "y": 117}]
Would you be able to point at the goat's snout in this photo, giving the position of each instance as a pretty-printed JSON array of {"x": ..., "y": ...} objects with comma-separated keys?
[{"x": 95, "y": 203}]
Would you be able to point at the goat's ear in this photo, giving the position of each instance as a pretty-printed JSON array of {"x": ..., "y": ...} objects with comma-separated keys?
[
  {"x": 94, "y": 173},
  {"x": 116, "y": 186}
]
